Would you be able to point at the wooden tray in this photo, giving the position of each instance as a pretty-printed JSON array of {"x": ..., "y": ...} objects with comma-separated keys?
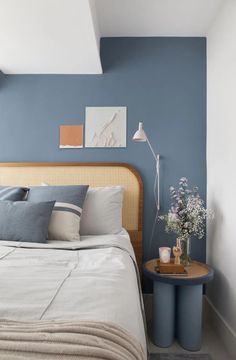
[{"x": 170, "y": 268}]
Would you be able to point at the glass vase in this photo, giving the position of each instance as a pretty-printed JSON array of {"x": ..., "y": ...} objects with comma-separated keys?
[{"x": 185, "y": 244}]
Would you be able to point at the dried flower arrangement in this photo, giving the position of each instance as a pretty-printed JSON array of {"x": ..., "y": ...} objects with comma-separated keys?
[{"x": 186, "y": 217}]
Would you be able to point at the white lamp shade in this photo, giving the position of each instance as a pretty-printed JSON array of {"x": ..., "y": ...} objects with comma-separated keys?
[{"x": 140, "y": 133}]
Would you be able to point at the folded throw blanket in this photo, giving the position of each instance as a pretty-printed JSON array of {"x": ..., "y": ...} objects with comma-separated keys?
[{"x": 61, "y": 340}]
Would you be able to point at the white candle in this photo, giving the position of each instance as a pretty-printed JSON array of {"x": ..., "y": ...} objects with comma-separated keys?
[{"x": 164, "y": 254}]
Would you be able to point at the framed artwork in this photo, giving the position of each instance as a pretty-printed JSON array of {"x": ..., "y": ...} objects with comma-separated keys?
[
  {"x": 105, "y": 127},
  {"x": 71, "y": 136}
]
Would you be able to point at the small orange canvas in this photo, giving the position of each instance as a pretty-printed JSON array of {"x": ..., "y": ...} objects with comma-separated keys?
[{"x": 71, "y": 136}]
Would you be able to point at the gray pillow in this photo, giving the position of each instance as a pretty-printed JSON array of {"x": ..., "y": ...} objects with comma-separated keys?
[
  {"x": 65, "y": 219},
  {"x": 12, "y": 193},
  {"x": 25, "y": 221}
]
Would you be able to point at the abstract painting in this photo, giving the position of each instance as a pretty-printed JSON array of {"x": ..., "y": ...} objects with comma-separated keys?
[
  {"x": 105, "y": 127},
  {"x": 71, "y": 136}
]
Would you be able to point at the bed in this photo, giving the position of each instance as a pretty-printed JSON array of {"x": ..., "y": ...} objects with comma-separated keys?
[{"x": 80, "y": 299}]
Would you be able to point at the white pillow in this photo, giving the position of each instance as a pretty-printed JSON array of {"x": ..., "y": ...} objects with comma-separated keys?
[{"x": 102, "y": 211}]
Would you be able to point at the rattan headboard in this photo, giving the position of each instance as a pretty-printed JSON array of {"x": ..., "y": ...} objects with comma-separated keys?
[{"x": 94, "y": 174}]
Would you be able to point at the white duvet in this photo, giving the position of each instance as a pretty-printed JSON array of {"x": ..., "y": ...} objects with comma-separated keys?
[{"x": 92, "y": 279}]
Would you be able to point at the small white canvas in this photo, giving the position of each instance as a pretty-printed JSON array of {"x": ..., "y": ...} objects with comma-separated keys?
[{"x": 105, "y": 126}]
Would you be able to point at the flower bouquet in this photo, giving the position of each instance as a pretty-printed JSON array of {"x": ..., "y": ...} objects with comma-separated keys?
[{"x": 186, "y": 216}]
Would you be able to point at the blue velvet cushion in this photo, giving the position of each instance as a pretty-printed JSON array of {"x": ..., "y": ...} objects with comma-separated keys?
[
  {"x": 12, "y": 193},
  {"x": 25, "y": 221}
]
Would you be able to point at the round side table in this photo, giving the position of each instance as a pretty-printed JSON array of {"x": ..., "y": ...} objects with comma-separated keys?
[{"x": 178, "y": 304}]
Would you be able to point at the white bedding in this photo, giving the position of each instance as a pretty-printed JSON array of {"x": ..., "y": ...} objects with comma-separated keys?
[{"x": 92, "y": 279}]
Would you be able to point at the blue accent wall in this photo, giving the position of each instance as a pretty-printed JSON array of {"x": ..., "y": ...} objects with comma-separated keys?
[{"x": 162, "y": 81}]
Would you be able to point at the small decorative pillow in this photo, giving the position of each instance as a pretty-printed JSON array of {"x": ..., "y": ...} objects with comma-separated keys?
[
  {"x": 25, "y": 221},
  {"x": 102, "y": 213},
  {"x": 65, "y": 219},
  {"x": 12, "y": 193}
]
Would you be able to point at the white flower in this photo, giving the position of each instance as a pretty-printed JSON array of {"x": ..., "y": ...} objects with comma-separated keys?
[{"x": 171, "y": 217}]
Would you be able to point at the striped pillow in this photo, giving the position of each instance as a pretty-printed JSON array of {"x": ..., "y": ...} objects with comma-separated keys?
[
  {"x": 12, "y": 193},
  {"x": 65, "y": 220}
]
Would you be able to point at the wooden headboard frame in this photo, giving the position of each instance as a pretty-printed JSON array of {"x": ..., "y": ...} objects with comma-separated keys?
[{"x": 94, "y": 174}]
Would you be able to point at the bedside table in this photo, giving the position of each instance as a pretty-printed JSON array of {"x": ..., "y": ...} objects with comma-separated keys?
[{"x": 178, "y": 304}]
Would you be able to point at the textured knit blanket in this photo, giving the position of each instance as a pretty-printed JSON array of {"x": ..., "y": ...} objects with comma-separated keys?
[{"x": 54, "y": 340}]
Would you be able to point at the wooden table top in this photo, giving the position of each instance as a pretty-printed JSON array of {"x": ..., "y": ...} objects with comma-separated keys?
[{"x": 197, "y": 273}]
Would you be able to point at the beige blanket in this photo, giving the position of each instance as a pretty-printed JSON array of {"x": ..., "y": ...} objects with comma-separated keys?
[{"x": 54, "y": 340}]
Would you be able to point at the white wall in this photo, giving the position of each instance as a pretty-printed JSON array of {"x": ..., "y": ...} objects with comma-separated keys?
[
  {"x": 221, "y": 158},
  {"x": 49, "y": 37}
]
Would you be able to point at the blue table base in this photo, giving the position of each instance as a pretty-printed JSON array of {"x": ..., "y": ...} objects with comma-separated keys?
[{"x": 177, "y": 313}]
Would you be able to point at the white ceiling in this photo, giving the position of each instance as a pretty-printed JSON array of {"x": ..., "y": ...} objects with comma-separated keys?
[
  {"x": 156, "y": 17},
  {"x": 48, "y": 36},
  {"x": 62, "y": 36}
]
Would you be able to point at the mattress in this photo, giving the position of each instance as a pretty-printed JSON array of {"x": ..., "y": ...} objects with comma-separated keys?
[{"x": 94, "y": 279}]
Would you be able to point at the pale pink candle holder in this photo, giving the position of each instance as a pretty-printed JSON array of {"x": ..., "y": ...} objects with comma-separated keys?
[{"x": 164, "y": 254}]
